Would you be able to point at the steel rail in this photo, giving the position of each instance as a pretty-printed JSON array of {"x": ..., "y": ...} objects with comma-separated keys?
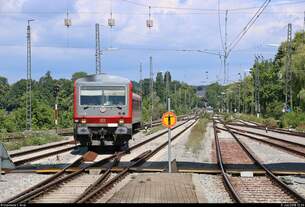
[
  {"x": 44, "y": 182},
  {"x": 51, "y": 182},
  {"x": 289, "y": 149},
  {"x": 220, "y": 163},
  {"x": 98, "y": 190},
  {"x": 20, "y": 153},
  {"x": 285, "y": 187},
  {"x": 296, "y": 144},
  {"x": 40, "y": 156},
  {"x": 278, "y": 130},
  {"x": 27, "y": 196}
]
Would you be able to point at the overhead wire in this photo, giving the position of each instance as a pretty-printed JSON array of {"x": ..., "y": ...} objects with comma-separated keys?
[
  {"x": 233, "y": 44},
  {"x": 215, "y": 10}
]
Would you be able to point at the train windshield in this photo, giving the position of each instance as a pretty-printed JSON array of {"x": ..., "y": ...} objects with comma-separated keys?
[{"x": 102, "y": 95}]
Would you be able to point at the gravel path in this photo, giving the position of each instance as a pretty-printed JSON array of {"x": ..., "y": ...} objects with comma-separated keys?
[
  {"x": 15, "y": 183},
  {"x": 268, "y": 154}
]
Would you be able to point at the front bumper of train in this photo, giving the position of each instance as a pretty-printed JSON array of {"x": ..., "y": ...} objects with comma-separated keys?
[{"x": 98, "y": 134}]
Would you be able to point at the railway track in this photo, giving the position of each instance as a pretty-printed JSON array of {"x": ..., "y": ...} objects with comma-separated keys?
[
  {"x": 289, "y": 146},
  {"x": 20, "y": 158},
  {"x": 263, "y": 127},
  {"x": 254, "y": 189},
  {"x": 98, "y": 190},
  {"x": 59, "y": 186}
]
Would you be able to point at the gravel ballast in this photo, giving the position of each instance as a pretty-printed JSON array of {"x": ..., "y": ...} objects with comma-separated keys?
[
  {"x": 181, "y": 153},
  {"x": 268, "y": 154},
  {"x": 15, "y": 183},
  {"x": 210, "y": 188}
]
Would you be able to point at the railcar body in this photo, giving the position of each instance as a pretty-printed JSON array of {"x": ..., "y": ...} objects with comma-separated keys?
[{"x": 105, "y": 110}]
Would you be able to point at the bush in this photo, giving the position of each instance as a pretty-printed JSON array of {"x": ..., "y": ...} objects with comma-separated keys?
[
  {"x": 248, "y": 117},
  {"x": 270, "y": 122},
  {"x": 227, "y": 117},
  {"x": 274, "y": 109},
  {"x": 293, "y": 119}
]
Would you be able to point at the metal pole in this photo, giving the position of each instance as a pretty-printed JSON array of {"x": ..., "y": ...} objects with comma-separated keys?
[
  {"x": 29, "y": 79},
  {"x": 97, "y": 49},
  {"x": 141, "y": 89},
  {"x": 304, "y": 29},
  {"x": 151, "y": 90},
  {"x": 244, "y": 94},
  {"x": 56, "y": 113},
  {"x": 226, "y": 48},
  {"x": 169, "y": 138},
  {"x": 288, "y": 75},
  {"x": 239, "y": 93}
]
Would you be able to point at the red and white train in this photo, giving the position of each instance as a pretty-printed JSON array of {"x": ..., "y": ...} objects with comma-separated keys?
[{"x": 106, "y": 111}]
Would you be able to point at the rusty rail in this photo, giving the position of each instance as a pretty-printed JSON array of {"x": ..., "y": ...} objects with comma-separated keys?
[
  {"x": 54, "y": 181},
  {"x": 285, "y": 187}
]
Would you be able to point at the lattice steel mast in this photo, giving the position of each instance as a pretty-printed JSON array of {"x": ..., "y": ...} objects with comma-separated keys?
[
  {"x": 151, "y": 89},
  {"x": 29, "y": 80},
  {"x": 288, "y": 74},
  {"x": 97, "y": 49}
]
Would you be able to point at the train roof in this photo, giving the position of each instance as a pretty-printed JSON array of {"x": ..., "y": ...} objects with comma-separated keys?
[{"x": 104, "y": 78}]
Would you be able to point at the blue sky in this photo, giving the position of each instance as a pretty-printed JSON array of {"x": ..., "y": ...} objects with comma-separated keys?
[{"x": 65, "y": 51}]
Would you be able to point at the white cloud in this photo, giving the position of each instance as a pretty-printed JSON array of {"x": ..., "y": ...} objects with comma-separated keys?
[{"x": 179, "y": 29}]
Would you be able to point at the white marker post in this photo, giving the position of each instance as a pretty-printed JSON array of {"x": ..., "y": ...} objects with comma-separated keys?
[{"x": 169, "y": 138}]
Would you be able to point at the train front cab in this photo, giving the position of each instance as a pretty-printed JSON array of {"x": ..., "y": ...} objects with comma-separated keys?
[{"x": 103, "y": 114}]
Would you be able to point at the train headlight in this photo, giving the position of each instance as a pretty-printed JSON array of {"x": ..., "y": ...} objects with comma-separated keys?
[
  {"x": 76, "y": 120},
  {"x": 83, "y": 121},
  {"x": 121, "y": 121}
]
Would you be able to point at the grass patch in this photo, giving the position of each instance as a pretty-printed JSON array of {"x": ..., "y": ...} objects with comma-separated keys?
[
  {"x": 269, "y": 122},
  {"x": 196, "y": 136},
  {"x": 32, "y": 139},
  {"x": 154, "y": 129}
]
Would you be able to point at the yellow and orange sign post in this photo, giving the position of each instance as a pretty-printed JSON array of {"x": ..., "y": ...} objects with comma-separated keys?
[{"x": 169, "y": 119}]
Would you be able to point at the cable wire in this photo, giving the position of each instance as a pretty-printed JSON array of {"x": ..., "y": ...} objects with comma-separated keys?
[{"x": 248, "y": 26}]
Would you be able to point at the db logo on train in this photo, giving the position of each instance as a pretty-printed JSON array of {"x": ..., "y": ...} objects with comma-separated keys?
[{"x": 169, "y": 119}]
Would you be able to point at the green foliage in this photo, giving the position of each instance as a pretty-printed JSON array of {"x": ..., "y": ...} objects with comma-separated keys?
[
  {"x": 270, "y": 122},
  {"x": 240, "y": 95},
  {"x": 183, "y": 97},
  {"x": 251, "y": 118},
  {"x": 12, "y": 103},
  {"x": 213, "y": 95},
  {"x": 13, "y": 99},
  {"x": 78, "y": 75},
  {"x": 293, "y": 119},
  {"x": 274, "y": 109},
  {"x": 33, "y": 139}
]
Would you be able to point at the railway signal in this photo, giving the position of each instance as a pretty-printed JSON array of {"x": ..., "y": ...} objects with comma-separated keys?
[{"x": 169, "y": 119}]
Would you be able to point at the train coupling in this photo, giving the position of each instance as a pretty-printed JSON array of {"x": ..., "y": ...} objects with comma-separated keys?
[
  {"x": 121, "y": 130},
  {"x": 83, "y": 130}
]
